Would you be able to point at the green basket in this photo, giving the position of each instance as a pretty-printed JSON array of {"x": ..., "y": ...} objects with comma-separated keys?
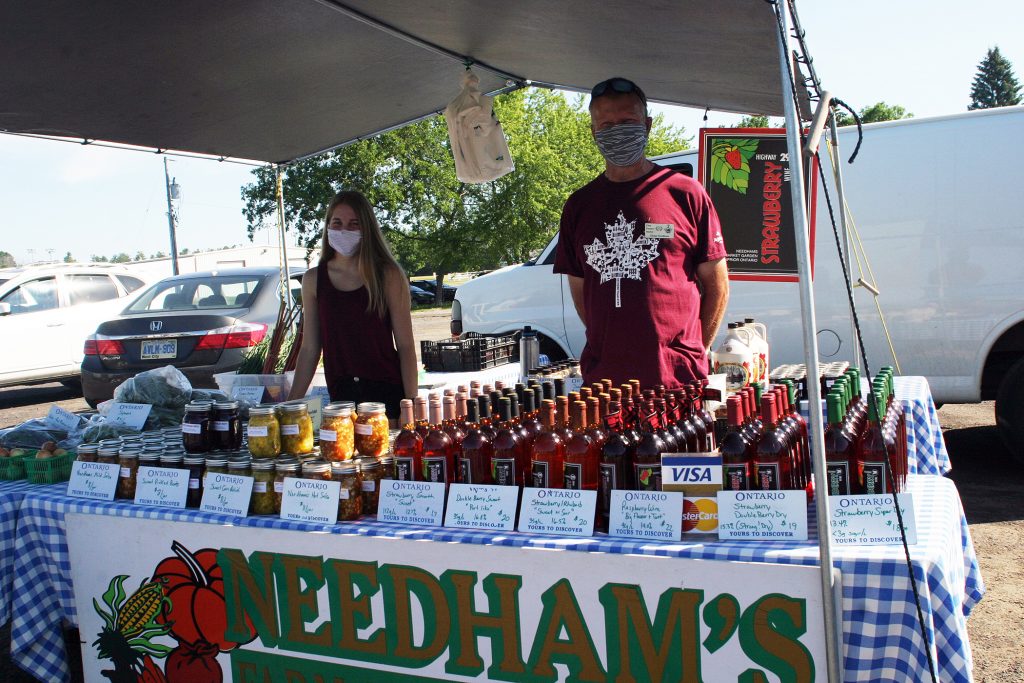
[
  {"x": 49, "y": 470},
  {"x": 13, "y": 468}
]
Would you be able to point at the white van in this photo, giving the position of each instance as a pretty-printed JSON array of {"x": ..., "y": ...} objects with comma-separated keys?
[{"x": 939, "y": 206}]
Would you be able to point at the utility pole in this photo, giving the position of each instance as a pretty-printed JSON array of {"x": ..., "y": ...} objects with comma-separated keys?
[{"x": 173, "y": 192}]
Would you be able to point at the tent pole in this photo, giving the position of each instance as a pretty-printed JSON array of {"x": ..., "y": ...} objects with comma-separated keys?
[
  {"x": 286, "y": 288},
  {"x": 833, "y": 651},
  {"x": 837, "y": 165}
]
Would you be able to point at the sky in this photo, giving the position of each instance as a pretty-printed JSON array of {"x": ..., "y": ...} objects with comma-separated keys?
[{"x": 59, "y": 197}]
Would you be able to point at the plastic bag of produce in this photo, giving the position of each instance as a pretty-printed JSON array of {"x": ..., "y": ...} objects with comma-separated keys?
[
  {"x": 98, "y": 429},
  {"x": 31, "y": 434},
  {"x": 166, "y": 389}
]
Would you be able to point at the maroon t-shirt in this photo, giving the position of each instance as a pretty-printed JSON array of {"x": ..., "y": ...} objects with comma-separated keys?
[{"x": 640, "y": 290}]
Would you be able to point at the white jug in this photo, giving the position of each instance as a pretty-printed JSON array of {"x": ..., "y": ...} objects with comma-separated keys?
[
  {"x": 759, "y": 345},
  {"x": 735, "y": 358}
]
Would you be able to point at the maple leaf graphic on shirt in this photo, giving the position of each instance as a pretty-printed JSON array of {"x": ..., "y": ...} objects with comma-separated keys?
[{"x": 622, "y": 256}]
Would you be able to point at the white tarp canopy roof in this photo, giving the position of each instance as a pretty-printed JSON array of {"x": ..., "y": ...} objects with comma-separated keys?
[{"x": 278, "y": 80}]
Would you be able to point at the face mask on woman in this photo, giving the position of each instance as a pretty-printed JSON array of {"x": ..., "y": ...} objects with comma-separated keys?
[
  {"x": 622, "y": 145},
  {"x": 345, "y": 242}
]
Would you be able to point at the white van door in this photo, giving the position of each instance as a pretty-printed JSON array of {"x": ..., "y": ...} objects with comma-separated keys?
[{"x": 33, "y": 331}]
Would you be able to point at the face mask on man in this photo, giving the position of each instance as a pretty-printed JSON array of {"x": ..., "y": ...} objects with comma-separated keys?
[
  {"x": 622, "y": 145},
  {"x": 345, "y": 242}
]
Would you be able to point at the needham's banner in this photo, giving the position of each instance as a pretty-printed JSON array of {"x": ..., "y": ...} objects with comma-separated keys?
[
  {"x": 195, "y": 603},
  {"x": 746, "y": 172}
]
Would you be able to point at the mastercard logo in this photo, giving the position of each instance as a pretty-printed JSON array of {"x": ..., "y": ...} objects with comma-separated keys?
[{"x": 700, "y": 515}]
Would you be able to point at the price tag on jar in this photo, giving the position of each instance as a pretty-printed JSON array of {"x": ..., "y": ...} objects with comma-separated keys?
[
  {"x": 226, "y": 494},
  {"x": 156, "y": 486},
  {"x": 563, "y": 512},
  {"x": 310, "y": 500},
  {"x": 93, "y": 480},
  {"x": 314, "y": 406}
]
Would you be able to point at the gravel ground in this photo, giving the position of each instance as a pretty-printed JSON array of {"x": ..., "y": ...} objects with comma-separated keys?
[{"x": 990, "y": 487}]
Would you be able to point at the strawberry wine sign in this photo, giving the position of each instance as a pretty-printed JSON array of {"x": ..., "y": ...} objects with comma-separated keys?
[
  {"x": 163, "y": 602},
  {"x": 746, "y": 172}
]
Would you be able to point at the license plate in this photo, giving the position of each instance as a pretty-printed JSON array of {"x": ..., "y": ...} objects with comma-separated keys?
[{"x": 159, "y": 349}]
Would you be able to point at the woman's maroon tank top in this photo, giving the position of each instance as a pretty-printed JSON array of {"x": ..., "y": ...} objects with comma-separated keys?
[{"x": 356, "y": 343}]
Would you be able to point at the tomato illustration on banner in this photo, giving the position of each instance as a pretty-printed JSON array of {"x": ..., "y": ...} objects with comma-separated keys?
[{"x": 184, "y": 602}]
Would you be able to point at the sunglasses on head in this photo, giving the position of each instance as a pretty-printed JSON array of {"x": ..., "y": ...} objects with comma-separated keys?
[{"x": 623, "y": 86}]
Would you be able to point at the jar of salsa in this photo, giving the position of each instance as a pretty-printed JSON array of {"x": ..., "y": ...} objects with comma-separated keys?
[
  {"x": 86, "y": 452},
  {"x": 107, "y": 455},
  {"x": 262, "y": 500},
  {"x": 371, "y": 429},
  {"x": 128, "y": 459},
  {"x": 316, "y": 469},
  {"x": 226, "y": 426},
  {"x": 264, "y": 432},
  {"x": 194, "y": 465},
  {"x": 296, "y": 428},
  {"x": 284, "y": 468},
  {"x": 195, "y": 428},
  {"x": 370, "y": 474},
  {"x": 336, "y": 433},
  {"x": 350, "y": 499}
]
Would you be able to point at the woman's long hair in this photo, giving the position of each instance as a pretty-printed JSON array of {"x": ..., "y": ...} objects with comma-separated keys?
[{"x": 374, "y": 254}]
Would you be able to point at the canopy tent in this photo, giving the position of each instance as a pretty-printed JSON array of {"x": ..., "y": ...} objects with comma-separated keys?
[{"x": 277, "y": 81}]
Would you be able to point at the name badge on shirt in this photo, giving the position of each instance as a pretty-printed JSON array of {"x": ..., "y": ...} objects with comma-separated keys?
[{"x": 659, "y": 231}]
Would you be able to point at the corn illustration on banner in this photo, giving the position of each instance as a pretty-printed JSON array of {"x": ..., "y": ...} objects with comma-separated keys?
[{"x": 173, "y": 602}]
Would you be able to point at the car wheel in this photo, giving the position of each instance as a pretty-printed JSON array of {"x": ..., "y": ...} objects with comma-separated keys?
[
  {"x": 1010, "y": 411},
  {"x": 550, "y": 348},
  {"x": 73, "y": 383},
  {"x": 91, "y": 403}
]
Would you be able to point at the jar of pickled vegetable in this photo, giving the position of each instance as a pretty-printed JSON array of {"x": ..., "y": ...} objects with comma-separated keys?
[
  {"x": 149, "y": 460},
  {"x": 128, "y": 459},
  {"x": 371, "y": 429},
  {"x": 264, "y": 432},
  {"x": 350, "y": 498},
  {"x": 370, "y": 474},
  {"x": 194, "y": 465},
  {"x": 226, "y": 426},
  {"x": 107, "y": 455},
  {"x": 336, "y": 433},
  {"x": 387, "y": 466},
  {"x": 316, "y": 469},
  {"x": 239, "y": 467},
  {"x": 262, "y": 500},
  {"x": 283, "y": 469},
  {"x": 215, "y": 464},
  {"x": 86, "y": 452},
  {"x": 172, "y": 461},
  {"x": 195, "y": 428},
  {"x": 296, "y": 428}
]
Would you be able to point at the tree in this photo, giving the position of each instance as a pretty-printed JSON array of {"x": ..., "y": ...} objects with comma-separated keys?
[
  {"x": 758, "y": 121},
  {"x": 159, "y": 254},
  {"x": 99, "y": 259},
  {"x": 120, "y": 258},
  {"x": 7, "y": 260},
  {"x": 994, "y": 85},
  {"x": 139, "y": 256},
  {"x": 68, "y": 258},
  {"x": 431, "y": 219},
  {"x": 879, "y": 111}
]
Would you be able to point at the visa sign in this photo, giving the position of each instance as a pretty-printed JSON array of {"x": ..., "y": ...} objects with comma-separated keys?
[{"x": 678, "y": 471}]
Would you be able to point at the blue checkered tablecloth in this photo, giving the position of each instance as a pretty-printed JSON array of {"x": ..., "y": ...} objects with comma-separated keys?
[
  {"x": 11, "y": 493},
  {"x": 926, "y": 450},
  {"x": 882, "y": 642}
]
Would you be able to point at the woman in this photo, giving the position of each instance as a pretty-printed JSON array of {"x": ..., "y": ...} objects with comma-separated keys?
[{"x": 357, "y": 311}]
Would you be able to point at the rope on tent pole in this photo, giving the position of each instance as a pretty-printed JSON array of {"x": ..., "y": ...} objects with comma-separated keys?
[{"x": 860, "y": 342}]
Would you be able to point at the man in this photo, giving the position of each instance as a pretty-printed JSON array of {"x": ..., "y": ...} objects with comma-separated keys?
[{"x": 642, "y": 248}]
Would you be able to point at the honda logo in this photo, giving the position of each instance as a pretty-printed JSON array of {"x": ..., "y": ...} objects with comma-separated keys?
[{"x": 156, "y": 325}]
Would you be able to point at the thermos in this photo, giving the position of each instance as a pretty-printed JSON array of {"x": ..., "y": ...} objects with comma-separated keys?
[{"x": 529, "y": 351}]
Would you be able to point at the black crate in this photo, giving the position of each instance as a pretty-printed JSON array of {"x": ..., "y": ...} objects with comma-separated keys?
[{"x": 477, "y": 352}]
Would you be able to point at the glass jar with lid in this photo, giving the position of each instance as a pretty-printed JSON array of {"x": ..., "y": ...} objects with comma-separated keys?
[
  {"x": 216, "y": 463},
  {"x": 195, "y": 427},
  {"x": 194, "y": 464},
  {"x": 107, "y": 454},
  {"x": 350, "y": 498},
  {"x": 336, "y": 433},
  {"x": 262, "y": 500},
  {"x": 239, "y": 467},
  {"x": 316, "y": 469},
  {"x": 264, "y": 432},
  {"x": 296, "y": 428},
  {"x": 172, "y": 461},
  {"x": 284, "y": 468},
  {"x": 226, "y": 426},
  {"x": 128, "y": 459},
  {"x": 387, "y": 466},
  {"x": 371, "y": 429},
  {"x": 86, "y": 452},
  {"x": 370, "y": 474}
]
